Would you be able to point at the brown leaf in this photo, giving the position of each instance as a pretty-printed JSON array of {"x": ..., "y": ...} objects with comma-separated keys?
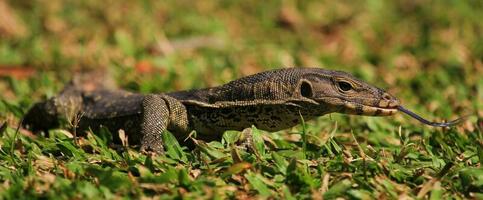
[
  {"x": 238, "y": 168},
  {"x": 27, "y": 133},
  {"x": 159, "y": 188},
  {"x": 17, "y": 72},
  {"x": 44, "y": 163},
  {"x": 426, "y": 188}
]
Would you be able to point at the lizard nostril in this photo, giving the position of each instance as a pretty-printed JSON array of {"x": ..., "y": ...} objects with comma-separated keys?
[{"x": 386, "y": 96}]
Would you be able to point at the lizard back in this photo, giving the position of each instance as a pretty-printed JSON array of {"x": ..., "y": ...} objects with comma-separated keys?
[{"x": 265, "y": 87}]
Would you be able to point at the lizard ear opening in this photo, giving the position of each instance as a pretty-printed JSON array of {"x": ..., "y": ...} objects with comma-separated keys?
[{"x": 306, "y": 89}]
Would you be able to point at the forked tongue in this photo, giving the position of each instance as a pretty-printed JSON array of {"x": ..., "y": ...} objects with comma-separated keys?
[{"x": 425, "y": 121}]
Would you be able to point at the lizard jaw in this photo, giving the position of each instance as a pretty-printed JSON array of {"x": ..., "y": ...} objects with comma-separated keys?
[{"x": 360, "y": 109}]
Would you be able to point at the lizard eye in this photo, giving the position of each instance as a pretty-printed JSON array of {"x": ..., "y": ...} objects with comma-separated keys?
[
  {"x": 344, "y": 86},
  {"x": 306, "y": 89}
]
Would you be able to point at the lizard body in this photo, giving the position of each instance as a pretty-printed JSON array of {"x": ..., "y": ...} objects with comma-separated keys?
[{"x": 271, "y": 100}]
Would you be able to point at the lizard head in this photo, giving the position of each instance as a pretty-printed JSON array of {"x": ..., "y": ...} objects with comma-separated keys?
[
  {"x": 346, "y": 94},
  {"x": 335, "y": 91}
]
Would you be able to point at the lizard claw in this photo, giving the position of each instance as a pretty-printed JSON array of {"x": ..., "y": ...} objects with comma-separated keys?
[
  {"x": 246, "y": 140},
  {"x": 152, "y": 149}
]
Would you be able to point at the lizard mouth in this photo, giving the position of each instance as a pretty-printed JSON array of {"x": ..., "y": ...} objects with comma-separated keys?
[
  {"x": 385, "y": 106},
  {"x": 367, "y": 106},
  {"x": 361, "y": 109}
]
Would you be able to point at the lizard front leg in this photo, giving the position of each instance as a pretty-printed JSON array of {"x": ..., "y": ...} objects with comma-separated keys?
[
  {"x": 161, "y": 112},
  {"x": 155, "y": 120}
]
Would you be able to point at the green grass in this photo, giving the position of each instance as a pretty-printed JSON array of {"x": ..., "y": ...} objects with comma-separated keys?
[{"x": 427, "y": 53}]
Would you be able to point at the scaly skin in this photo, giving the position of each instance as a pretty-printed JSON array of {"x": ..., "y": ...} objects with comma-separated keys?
[{"x": 271, "y": 100}]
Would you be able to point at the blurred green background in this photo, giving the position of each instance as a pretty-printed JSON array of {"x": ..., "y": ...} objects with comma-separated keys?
[
  {"x": 420, "y": 50},
  {"x": 427, "y": 53}
]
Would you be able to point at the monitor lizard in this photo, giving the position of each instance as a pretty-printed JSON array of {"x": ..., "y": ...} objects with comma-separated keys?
[{"x": 270, "y": 100}]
